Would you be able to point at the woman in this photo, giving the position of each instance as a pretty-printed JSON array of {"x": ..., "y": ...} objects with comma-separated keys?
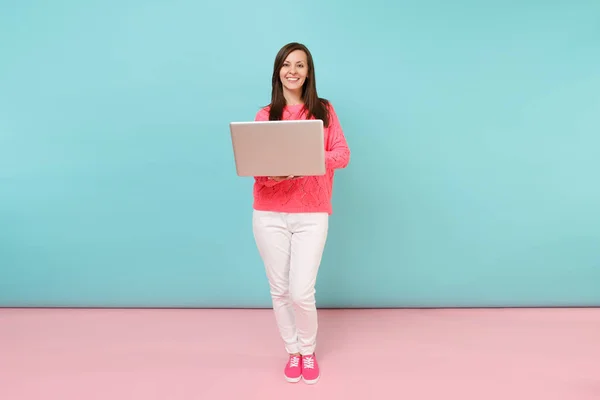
[{"x": 290, "y": 218}]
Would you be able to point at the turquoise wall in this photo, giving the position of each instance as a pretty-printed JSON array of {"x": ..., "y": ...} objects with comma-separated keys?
[{"x": 474, "y": 128}]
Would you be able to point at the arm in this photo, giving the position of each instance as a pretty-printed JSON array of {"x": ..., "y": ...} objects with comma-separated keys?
[{"x": 337, "y": 154}]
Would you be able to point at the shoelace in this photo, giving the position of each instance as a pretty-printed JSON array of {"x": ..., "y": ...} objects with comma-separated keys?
[
  {"x": 294, "y": 361},
  {"x": 309, "y": 362}
]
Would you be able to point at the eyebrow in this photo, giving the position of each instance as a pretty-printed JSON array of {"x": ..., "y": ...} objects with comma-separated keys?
[{"x": 297, "y": 62}]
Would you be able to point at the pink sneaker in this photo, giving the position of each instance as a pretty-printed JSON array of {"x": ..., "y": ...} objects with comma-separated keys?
[
  {"x": 310, "y": 369},
  {"x": 293, "y": 369}
]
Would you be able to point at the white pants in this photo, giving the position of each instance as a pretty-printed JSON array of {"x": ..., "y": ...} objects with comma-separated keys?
[{"x": 291, "y": 247}]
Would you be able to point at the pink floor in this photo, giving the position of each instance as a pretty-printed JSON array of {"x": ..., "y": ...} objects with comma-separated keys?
[{"x": 236, "y": 354}]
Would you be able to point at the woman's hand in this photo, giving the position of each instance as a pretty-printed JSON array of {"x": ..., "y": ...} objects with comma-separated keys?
[{"x": 281, "y": 178}]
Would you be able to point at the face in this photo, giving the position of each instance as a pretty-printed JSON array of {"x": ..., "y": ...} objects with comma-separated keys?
[{"x": 294, "y": 71}]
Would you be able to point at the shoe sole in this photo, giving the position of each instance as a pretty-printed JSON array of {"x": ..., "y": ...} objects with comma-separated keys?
[
  {"x": 311, "y": 382},
  {"x": 292, "y": 380}
]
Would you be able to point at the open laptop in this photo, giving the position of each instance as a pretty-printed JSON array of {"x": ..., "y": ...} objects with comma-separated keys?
[{"x": 278, "y": 148}]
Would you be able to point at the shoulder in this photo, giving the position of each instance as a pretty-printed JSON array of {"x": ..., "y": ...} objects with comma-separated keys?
[
  {"x": 328, "y": 105},
  {"x": 263, "y": 114},
  {"x": 330, "y": 110}
]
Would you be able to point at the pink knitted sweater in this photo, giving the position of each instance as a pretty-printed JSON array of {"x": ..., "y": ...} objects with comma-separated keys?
[{"x": 308, "y": 193}]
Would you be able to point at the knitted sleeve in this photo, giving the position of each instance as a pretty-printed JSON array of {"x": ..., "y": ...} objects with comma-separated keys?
[{"x": 337, "y": 153}]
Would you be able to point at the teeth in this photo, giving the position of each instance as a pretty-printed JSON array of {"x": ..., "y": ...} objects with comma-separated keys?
[{"x": 293, "y": 79}]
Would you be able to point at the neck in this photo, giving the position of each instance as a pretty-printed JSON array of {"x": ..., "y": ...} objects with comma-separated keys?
[{"x": 293, "y": 98}]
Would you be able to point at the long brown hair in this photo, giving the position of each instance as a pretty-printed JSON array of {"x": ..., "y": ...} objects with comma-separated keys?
[{"x": 314, "y": 105}]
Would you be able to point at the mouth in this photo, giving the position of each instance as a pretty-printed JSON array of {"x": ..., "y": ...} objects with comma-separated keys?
[{"x": 293, "y": 80}]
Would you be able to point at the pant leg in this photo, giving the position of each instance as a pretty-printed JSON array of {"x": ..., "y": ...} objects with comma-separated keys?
[
  {"x": 273, "y": 240},
  {"x": 308, "y": 242}
]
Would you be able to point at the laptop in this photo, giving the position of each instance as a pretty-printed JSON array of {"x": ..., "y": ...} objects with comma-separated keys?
[{"x": 278, "y": 148}]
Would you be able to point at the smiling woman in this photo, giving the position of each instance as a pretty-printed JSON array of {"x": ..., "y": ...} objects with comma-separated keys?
[{"x": 291, "y": 214}]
